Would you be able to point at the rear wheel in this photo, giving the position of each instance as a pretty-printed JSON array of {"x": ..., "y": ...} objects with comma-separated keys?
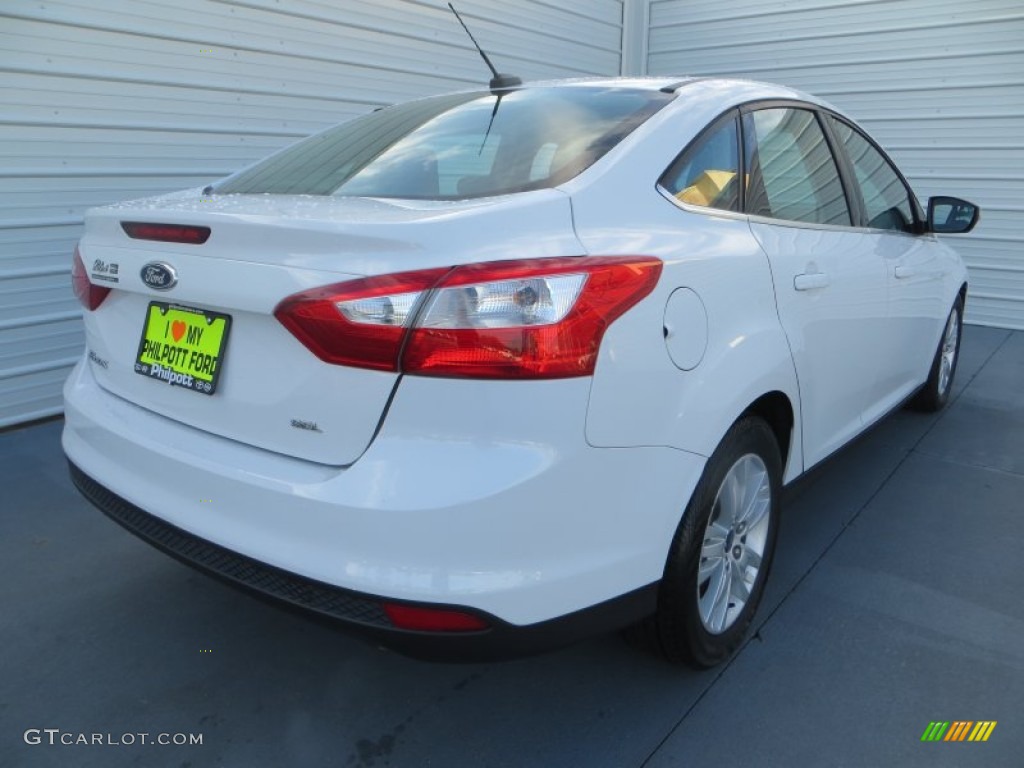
[
  {"x": 722, "y": 551},
  {"x": 934, "y": 395}
]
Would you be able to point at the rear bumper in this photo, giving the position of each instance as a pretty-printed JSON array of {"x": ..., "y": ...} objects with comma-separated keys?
[
  {"x": 362, "y": 612},
  {"x": 484, "y": 497}
]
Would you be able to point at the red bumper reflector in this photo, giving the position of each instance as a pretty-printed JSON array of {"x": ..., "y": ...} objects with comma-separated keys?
[
  {"x": 166, "y": 233},
  {"x": 432, "y": 619}
]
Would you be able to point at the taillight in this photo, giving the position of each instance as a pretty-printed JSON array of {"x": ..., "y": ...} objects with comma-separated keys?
[
  {"x": 361, "y": 323},
  {"x": 166, "y": 233},
  {"x": 539, "y": 318},
  {"x": 91, "y": 296},
  {"x": 422, "y": 619}
]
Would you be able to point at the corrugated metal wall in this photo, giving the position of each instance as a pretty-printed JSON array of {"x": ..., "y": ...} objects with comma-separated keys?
[
  {"x": 105, "y": 101},
  {"x": 940, "y": 83}
]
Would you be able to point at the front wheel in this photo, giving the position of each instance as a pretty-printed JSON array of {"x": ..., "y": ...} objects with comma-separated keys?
[
  {"x": 722, "y": 551},
  {"x": 934, "y": 395}
]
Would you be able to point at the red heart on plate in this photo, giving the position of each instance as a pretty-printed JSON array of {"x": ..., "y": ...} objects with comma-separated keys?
[{"x": 177, "y": 329}]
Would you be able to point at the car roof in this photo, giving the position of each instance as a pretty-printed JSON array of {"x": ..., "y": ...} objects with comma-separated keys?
[
  {"x": 732, "y": 90},
  {"x": 652, "y": 83}
]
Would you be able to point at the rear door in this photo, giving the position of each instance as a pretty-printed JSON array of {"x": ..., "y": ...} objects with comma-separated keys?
[{"x": 830, "y": 287}]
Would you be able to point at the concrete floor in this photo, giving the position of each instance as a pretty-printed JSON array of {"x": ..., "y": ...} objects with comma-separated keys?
[{"x": 895, "y": 600}]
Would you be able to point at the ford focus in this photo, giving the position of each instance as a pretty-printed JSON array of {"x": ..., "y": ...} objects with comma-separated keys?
[{"x": 484, "y": 373}]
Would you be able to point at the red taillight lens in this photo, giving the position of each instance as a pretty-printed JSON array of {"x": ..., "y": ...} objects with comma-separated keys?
[
  {"x": 91, "y": 296},
  {"x": 538, "y": 318},
  {"x": 432, "y": 619},
  {"x": 361, "y": 323},
  {"x": 166, "y": 233}
]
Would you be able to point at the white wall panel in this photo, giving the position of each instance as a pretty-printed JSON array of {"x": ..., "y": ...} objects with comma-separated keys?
[
  {"x": 105, "y": 100},
  {"x": 940, "y": 83}
]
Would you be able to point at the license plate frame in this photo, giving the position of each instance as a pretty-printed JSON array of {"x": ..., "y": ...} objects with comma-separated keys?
[{"x": 173, "y": 349}]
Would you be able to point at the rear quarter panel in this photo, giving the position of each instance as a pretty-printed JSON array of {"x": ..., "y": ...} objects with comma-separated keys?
[{"x": 639, "y": 396}]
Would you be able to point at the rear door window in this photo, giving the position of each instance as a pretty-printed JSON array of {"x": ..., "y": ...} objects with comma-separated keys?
[{"x": 792, "y": 174}]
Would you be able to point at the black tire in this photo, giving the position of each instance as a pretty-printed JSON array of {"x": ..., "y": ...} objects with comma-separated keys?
[
  {"x": 934, "y": 395},
  {"x": 677, "y": 631}
]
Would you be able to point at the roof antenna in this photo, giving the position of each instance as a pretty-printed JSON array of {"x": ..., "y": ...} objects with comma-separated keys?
[{"x": 498, "y": 81}]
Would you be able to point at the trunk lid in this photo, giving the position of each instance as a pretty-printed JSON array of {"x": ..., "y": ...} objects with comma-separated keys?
[{"x": 272, "y": 392}]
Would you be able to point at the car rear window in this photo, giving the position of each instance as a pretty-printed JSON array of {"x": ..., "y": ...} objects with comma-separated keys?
[{"x": 457, "y": 146}]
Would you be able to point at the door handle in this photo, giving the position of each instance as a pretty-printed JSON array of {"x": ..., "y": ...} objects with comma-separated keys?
[
  {"x": 810, "y": 281},
  {"x": 904, "y": 272}
]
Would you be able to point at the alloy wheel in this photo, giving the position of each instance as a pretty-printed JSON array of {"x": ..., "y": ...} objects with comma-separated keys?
[
  {"x": 950, "y": 340},
  {"x": 734, "y": 543}
]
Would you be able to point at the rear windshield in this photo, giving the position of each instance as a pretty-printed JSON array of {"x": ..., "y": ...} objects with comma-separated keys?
[{"x": 457, "y": 146}]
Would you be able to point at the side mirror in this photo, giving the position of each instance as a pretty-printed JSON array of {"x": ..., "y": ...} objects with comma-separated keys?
[{"x": 951, "y": 215}]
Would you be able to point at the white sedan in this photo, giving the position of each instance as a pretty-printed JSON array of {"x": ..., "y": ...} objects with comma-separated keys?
[{"x": 483, "y": 373}]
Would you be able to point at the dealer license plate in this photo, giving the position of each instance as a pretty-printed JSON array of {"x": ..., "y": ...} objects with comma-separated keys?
[{"x": 183, "y": 346}]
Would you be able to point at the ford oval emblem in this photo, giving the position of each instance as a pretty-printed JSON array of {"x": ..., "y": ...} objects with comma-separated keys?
[{"x": 158, "y": 275}]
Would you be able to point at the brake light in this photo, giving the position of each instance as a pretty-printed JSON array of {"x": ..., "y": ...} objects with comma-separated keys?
[
  {"x": 91, "y": 296},
  {"x": 432, "y": 619},
  {"x": 538, "y": 318},
  {"x": 166, "y": 233}
]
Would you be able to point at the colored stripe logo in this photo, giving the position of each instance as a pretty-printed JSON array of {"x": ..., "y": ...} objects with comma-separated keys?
[{"x": 959, "y": 730}]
